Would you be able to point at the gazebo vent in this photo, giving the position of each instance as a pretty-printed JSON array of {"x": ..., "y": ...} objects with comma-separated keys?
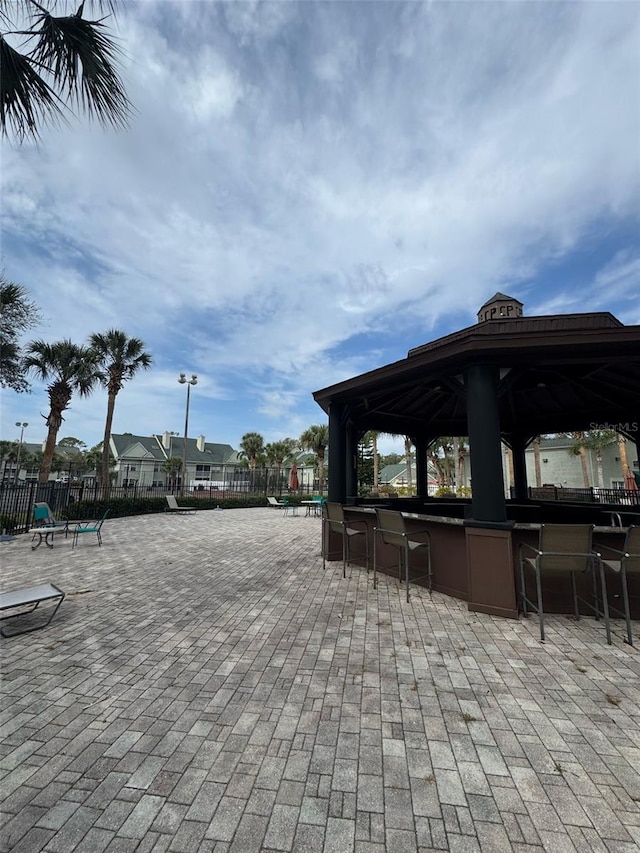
[{"x": 500, "y": 307}]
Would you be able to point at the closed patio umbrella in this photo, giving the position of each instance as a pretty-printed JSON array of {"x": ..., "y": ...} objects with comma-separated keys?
[
  {"x": 630, "y": 481},
  {"x": 294, "y": 485}
]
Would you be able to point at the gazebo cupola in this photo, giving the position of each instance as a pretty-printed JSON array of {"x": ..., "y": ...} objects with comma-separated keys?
[{"x": 500, "y": 307}]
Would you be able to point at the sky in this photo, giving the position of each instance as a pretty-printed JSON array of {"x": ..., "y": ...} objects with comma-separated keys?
[{"x": 306, "y": 191}]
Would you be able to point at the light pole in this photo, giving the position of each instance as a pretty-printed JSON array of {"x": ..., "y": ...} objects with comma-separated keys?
[
  {"x": 22, "y": 426},
  {"x": 188, "y": 382}
]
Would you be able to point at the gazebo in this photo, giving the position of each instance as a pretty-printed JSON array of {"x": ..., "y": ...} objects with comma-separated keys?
[{"x": 507, "y": 378}]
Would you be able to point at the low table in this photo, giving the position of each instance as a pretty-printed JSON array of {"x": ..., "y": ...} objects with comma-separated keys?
[
  {"x": 46, "y": 534},
  {"x": 29, "y": 597},
  {"x": 315, "y": 505}
]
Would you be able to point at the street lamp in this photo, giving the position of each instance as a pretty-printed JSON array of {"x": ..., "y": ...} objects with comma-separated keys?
[
  {"x": 22, "y": 426},
  {"x": 188, "y": 382}
]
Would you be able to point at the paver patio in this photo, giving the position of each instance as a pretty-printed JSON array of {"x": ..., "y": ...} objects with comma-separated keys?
[{"x": 205, "y": 686}]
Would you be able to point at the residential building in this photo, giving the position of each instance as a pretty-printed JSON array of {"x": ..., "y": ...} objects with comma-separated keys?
[{"x": 140, "y": 460}]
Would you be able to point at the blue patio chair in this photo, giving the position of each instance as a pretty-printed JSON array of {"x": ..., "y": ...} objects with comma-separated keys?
[{"x": 89, "y": 527}]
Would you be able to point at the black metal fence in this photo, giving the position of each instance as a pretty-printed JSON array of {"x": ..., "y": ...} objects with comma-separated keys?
[
  {"x": 623, "y": 497},
  {"x": 17, "y": 500}
]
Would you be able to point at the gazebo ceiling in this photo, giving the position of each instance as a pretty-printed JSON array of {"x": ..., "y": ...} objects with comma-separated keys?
[{"x": 557, "y": 374}]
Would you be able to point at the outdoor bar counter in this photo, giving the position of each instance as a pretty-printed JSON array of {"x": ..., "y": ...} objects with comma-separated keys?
[{"x": 492, "y": 585}]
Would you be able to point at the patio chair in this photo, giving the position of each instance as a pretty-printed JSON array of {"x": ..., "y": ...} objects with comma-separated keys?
[
  {"x": 628, "y": 562},
  {"x": 46, "y": 526},
  {"x": 89, "y": 527},
  {"x": 391, "y": 528},
  {"x": 563, "y": 549},
  {"x": 335, "y": 521},
  {"x": 276, "y": 503},
  {"x": 174, "y": 506}
]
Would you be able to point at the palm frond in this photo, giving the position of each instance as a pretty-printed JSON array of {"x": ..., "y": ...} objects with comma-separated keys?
[
  {"x": 81, "y": 57},
  {"x": 26, "y": 100}
]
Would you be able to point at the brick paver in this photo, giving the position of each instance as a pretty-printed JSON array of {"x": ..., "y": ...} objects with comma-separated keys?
[{"x": 205, "y": 686}]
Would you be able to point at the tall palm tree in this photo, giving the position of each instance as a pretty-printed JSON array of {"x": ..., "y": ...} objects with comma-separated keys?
[
  {"x": 462, "y": 448},
  {"x": 172, "y": 467},
  {"x": 441, "y": 455},
  {"x": 56, "y": 63},
  {"x": 277, "y": 451},
  {"x": 69, "y": 368},
  {"x": 594, "y": 440},
  {"x": 536, "y": 461},
  {"x": 407, "y": 453},
  {"x": 118, "y": 358},
  {"x": 316, "y": 438},
  {"x": 251, "y": 448}
]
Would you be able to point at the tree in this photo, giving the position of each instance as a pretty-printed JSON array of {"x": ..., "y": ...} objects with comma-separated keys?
[
  {"x": 316, "y": 438},
  {"x": 172, "y": 467},
  {"x": 17, "y": 314},
  {"x": 578, "y": 448},
  {"x": 407, "y": 454},
  {"x": 462, "y": 448},
  {"x": 55, "y": 65},
  {"x": 74, "y": 443},
  {"x": 366, "y": 464},
  {"x": 277, "y": 451},
  {"x": 595, "y": 440},
  {"x": 7, "y": 454},
  {"x": 118, "y": 359},
  {"x": 536, "y": 461},
  {"x": 376, "y": 459},
  {"x": 93, "y": 459},
  {"x": 622, "y": 450},
  {"x": 441, "y": 456},
  {"x": 252, "y": 448},
  {"x": 390, "y": 459},
  {"x": 69, "y": 368}
]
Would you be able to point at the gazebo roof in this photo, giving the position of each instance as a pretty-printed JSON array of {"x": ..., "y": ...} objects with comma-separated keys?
[{"x": 562, "y": 372}]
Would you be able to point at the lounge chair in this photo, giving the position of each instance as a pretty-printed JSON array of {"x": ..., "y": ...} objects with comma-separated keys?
[
  {"x": 174, "y": 506},
  {"x": 29, "y": 597},
  {"x": 276, "y": 503}
]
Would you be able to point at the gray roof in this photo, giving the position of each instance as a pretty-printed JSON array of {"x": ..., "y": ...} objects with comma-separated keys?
[{"x": 213, "y": 453}]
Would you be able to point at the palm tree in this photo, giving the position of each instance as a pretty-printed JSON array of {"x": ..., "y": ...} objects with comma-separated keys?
[
  {"x": 407, "y": 453},
  {"x": 251, "y": 448},
  {"x": 60, "y": 62},
  {"x": 118, "y": 358},
  {"x": 594, "y": 440},
  {"x": 172, "y": 467},
  {"x": 462, "y": 448},
  {"x": 277, "y": 451},
  {"x": 8, "y": 453},
  {"x": 316, "y": 438},
  {"x": 622, "y": 450},
  {"x": 17, "y": 313},
  {"x": 536, "y": 461},
  {"x": 69, "y": 368},
  {"x": 376, "y": 459},
  {"x": 440, "y": 453}
]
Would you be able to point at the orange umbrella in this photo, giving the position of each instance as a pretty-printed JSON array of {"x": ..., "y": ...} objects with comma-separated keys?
[
  {"x": 294, "y": 485},
  {"x": 630, "y": 481}
]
